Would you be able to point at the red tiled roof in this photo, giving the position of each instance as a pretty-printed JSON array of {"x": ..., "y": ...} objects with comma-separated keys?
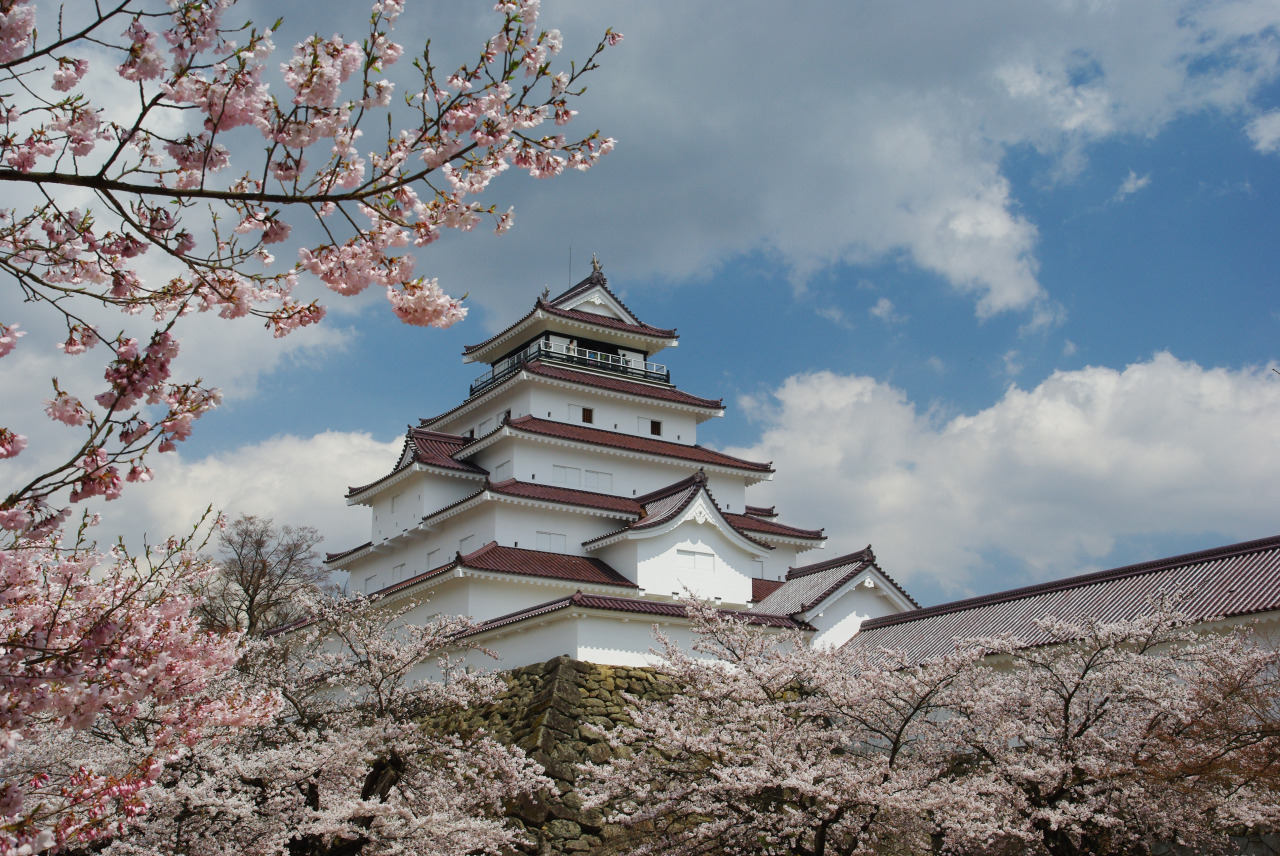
[
  {"x": 641, "y": 329},
  {"x": 768, "y": 527},
  {"x": 525, "y": 563},
  {"x": 568, "y": 496},
  {"x": 333, "y": 557},
  {"x": 663, "y": 505},
  {"x": 554, "y": 372},
  {"x": 760, "y": 589},
  {"x": 761, "y": 511},
  {"x": 617, "y": 440},
  {"x": 808, "y": 586},
  {"x": 662, "y": 393},
  {"x": 635, "y": 606},
  {"x": 596, "y": 279},
  {"x": 433, "y": 449},
  {"x": 1235, "y": 580},
  {"x": 644, "y": 330}
]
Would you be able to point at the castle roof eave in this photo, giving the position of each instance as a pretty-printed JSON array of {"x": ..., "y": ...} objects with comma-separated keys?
[
  {"x": 702, "y": 409},
  {"x": 625, "y": 445},
  {"x": 652, "y": 339}
]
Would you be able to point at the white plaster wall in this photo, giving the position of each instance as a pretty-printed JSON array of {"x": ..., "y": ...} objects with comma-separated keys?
[
  {"x": 415, "y": 496},
  {"x": 535, "y": 644},
  {"x": 534, "y": 461},
  {"x": 517, "y": 526},
  {"x": 659, "y": 572},
  {"x": 478, "y": 522},
  {"x": 613, "y": 414},
  {"x": 782, "y": 558},
  {"x": 841, "y": 618}
]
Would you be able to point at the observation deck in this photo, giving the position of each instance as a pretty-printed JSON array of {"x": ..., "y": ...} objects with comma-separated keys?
[{"x": 584, "y": 358}]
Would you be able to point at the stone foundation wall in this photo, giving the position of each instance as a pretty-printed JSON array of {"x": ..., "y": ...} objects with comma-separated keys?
[{"x": 542, "y": 711}]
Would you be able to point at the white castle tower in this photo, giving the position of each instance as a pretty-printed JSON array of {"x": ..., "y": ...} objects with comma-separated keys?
[{"x": 567, "y": 507}]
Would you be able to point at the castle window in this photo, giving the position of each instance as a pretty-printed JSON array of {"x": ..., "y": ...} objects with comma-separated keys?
[
  {"x": 502, "y": 471},
  {"x": 693, "y": 560},
  {"x": 485, "y": 426},
  {"x": 371, "y": 584},
  {"x": 397, "y": 573},
  {"x": 578, "y": 413},
  {"x": 433, "y": 557},
  {"x": 593, "y": 480},
  {"x": 554, "y": 541},
  {"x": 464, "y": 544},
  {"x": 650, "y": 426},
  {"x": 567, "y": 476},
  {"x": 397, "y": 499}
]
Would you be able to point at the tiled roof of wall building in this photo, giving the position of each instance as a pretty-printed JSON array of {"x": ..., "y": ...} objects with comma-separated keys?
[
  {"x": 525, "y": 563},
  {"x": 1233, "y": 581},
  {"x": 632, "y": 443},
  {"x": 635, "y": 606},
  {"x": 760, "y": 511}
]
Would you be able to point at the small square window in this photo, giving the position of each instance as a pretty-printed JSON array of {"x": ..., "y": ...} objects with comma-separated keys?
[
  {"x": 588, "y": 415},
  {"x": 655, "y": 427}
]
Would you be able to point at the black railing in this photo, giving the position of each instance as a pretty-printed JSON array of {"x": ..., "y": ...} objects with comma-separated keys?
[{"x": 554, "y": 352}]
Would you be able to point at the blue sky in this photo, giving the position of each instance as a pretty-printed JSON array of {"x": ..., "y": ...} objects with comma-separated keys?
[{"x": 994, "y": 284}]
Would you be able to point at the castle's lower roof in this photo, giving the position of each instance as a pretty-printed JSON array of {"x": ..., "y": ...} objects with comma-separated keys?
[
  {"x": 1234, "y": 581},
  {"x": 635, "y": 606},
  {"x": 520, "y": 562}
]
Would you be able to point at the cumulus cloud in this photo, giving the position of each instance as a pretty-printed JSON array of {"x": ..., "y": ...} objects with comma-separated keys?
[
  {"x": 296, "y": 480},
  {"x": 1048, "y": 479}
]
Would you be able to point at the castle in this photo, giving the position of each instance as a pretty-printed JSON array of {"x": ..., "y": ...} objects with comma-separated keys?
[{"x": 566, "y": 506}]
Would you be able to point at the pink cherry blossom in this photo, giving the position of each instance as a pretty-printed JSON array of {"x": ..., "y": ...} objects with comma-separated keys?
[
  {"x": 9, "y": 336},
  {"x": 68, "y": 73}
]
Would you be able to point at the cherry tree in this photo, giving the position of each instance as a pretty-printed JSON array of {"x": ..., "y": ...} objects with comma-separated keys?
[
  {"x": 771, "y": 746},
  {"x": 1117, "y": 738},
  {"x": 168, "y": 173},
  {"x": 120, "y": 651},
  {"x": 1099, "y": 739},
  {"x": 354, "y": 763}
]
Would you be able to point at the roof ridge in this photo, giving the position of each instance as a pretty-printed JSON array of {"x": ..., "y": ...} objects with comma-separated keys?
[
  {"x": 1228, "y": 551},
  {"x": 864, "y": 555}
]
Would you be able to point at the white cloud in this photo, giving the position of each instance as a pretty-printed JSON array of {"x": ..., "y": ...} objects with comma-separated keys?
[
  {"x": 297, "y": 480},
  {"x": 884, "y": 310},
  {"x": 1264, "y": 131},
  {"x": 1068, "y": 348},
  {"x": 1011, "y": 363},
  {"x": 1049, "y": 478},
  {"x": 1131, "y": 185},
  {"x": 835, "y": 315}
]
